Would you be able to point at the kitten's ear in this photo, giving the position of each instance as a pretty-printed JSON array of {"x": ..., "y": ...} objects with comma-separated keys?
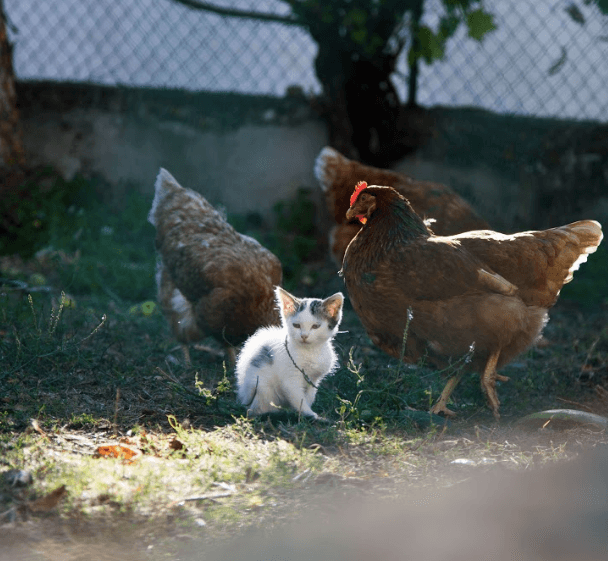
[
  {"x": 287, "y": 302},
  {"x": 333, "y": 304}
]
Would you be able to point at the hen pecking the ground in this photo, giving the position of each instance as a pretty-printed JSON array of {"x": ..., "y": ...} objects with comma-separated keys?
[
  {"x": 478, "y": 290},
  {"x": 444, "y": 209},
  {"x": 211, "y": 280}
]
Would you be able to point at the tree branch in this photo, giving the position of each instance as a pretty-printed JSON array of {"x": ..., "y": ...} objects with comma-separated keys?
[{"x": 231, "y": 12}]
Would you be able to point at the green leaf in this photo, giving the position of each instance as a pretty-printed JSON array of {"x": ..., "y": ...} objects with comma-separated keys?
[
  {"x": 431, "y": 46},
  {"x": 374, "y": 44},
  {"x": 480, "y": 23},
  {"x": 574, "y": 12},
  {"x": 356, "y": 17},
  {"x": 448, "y": 26},
  {"x": 359, "y": 36},
  {"x": 603, "y": 6}
]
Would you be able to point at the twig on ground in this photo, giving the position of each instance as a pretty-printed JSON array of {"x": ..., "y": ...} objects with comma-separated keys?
[
  {"x": 585, "y": 407},
  {"x": 209, "y": 497}
]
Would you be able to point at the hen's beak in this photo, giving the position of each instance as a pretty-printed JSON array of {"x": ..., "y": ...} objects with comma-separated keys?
[{"x": 350, "y": 214}]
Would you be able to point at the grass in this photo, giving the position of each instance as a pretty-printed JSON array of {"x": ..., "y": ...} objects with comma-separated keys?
[{"x": 86, "y": 361}]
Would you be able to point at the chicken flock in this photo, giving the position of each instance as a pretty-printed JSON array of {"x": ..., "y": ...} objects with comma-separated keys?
[{"x": 419, "y": 264}]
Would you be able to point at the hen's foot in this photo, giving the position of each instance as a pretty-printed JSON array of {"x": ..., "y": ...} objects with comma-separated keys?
[
  {"x": 442, "y": 408},
  {"x": 208, "y": 349}
]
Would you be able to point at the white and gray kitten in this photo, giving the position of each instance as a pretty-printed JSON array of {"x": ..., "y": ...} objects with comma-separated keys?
[{"x": 267, "y": 377}]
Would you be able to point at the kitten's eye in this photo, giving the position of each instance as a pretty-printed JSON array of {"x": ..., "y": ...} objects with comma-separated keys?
[
  {"x": 316, "y": 326},
  {"x": 296, "y": 325}
]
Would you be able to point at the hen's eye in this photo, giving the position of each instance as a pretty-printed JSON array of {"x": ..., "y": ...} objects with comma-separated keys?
[
  {"x": 296, "y": 325},
  {"x": 316, "y": 326}
]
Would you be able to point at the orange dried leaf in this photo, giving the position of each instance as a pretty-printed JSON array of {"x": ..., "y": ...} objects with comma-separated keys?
[
  {"x": 118, "y": 451},
  {"x": 37, "y": 428},
  {"x": 176, "y": 444},
  {"x": 49, "y": 501}
]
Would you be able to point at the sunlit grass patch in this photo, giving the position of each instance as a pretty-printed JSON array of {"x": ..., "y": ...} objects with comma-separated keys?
[{"x": 195, "y": 470}]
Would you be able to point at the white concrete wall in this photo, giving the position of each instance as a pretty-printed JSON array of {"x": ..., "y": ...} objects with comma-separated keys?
[
  {"x": 247, "y": 153},
  {"x": 246, "y": 169}
]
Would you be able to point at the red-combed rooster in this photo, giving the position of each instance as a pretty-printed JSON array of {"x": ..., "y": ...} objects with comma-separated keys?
[
  {"x": 211, "y": 279},
  {"x": 481, "y": 289},
  {"x": 445, "y": 209}
]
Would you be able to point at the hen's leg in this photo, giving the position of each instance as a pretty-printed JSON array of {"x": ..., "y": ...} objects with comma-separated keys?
[
  {"x": 186, "y": 354},
  {"x": 231, "y": 352},
  {"x": 440, "y": 406},
  {"x": 488, "y": 382}
]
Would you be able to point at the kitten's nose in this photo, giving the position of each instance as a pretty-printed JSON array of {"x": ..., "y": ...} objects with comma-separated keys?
[{"x": 304, "y": 337}]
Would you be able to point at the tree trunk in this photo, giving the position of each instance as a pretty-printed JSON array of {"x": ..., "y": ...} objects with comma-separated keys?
[
  {"x": 362, "y": 108},
  {"x": 12, "y": 153},
  {"x": 374, "y": 109},
  {"x": 330, "y": 72}
]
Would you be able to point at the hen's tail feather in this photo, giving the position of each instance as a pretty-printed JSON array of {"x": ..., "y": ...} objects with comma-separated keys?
[
  {"x": 326, "y": 166},
  {"x": 588, "y": 236},
  {"x": 588, "y": 232},
  {"x": 164, "y": 183}
]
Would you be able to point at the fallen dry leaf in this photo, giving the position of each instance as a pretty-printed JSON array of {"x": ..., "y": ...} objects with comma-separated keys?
[
  {"x": 120, "y": 451},
  {"x": 49, "y": 501},
  {"x": 35, "y": 426},
  {"x": 175, "y": 444}
]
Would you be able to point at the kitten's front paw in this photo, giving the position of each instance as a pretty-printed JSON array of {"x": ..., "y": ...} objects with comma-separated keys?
[{"x": 320, "y": 419}]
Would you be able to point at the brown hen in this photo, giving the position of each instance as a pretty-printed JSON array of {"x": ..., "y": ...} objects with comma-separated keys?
[
  {"x": 211, "y": 280},
  {"x": 445, "y": 210},
  {"x": 480, "y": 290}
]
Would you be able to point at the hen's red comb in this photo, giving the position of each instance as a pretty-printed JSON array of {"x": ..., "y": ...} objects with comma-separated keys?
[{"x": 360, "y": 186}]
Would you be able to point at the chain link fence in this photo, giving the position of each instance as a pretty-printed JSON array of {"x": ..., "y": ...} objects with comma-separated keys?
[{"x": 540, "y": 61}]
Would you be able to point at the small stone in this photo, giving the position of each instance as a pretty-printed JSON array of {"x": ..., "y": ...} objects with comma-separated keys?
[{"x": 18, "y": 478}]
